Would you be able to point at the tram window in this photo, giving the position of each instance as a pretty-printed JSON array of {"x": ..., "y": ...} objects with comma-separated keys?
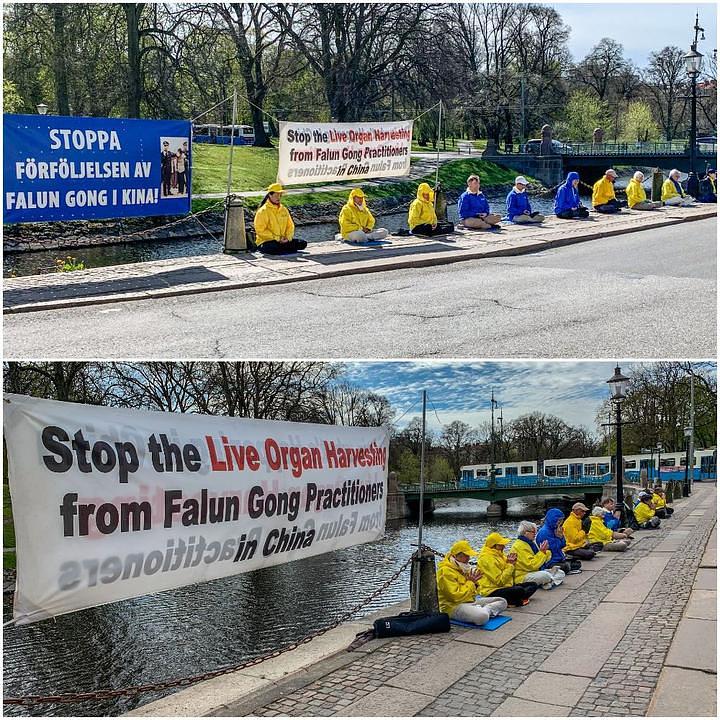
[
  {"x": 482, "y": 473},
  {"x": 527, "y": 469},
  {"x": 591, "y": 469},
  {"x": 562, "y": 470},
  {"x": 630, "y": 464},
  {"x": 498, "y": 471},
  {"x": 683, "y": 461},
  {"x": 511, "y": 470},
  {"x": 667, "y": 462},
  {"x": 603, "y": 468},
  {"x": 550, "y": 470}
]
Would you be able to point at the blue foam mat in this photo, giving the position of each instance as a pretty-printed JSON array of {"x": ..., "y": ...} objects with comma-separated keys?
[{"x": 492, "y": 624}]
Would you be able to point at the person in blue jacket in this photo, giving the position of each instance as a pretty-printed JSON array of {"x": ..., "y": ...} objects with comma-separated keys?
[
  {"x": 474, "y": 209},
  {"x": 612, "y": 517},
  {"x": 552, "y": 531},
  {"x": 518, "y": 204},
  {"x": 567, "y": 199}
]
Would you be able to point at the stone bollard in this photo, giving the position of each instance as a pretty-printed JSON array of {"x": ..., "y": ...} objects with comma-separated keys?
[
  {"x": 657, "y": 182},
  {"x": 440, "y": 203},
  {"x": 235, "y": 237},
  {"x": 425, "y": 597}
]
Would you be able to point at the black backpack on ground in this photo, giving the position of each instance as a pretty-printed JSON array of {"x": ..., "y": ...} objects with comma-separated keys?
[{"x": 411, "y": 623}]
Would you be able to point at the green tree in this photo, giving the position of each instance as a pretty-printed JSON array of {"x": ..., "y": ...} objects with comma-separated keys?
[
  {"x": 408, "y": 468},
  {"x": 12, "y": 100},
  {"x": 584, "y": 112},
  {"x": 638, "y": 124},
  {"x": 440, "y": 471}
]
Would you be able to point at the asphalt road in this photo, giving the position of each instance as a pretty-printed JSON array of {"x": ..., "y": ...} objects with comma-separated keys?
[{"x": 642, "y": 295}]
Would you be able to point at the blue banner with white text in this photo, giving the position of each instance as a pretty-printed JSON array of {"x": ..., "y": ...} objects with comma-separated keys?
[{"x": 81, "y": 168}]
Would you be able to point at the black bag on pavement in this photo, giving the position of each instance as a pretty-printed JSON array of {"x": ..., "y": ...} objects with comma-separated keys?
[{"x": 412, "y": 623}]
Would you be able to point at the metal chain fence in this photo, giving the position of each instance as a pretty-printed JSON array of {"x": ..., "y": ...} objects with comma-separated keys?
[{"x": 28, "y": 700}]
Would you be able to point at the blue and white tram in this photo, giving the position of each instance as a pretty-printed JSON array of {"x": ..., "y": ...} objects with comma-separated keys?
[{"x": 587, "y": 470}]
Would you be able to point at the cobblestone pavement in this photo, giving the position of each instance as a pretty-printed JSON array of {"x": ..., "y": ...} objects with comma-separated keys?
[{"x": 623, "y": 686}]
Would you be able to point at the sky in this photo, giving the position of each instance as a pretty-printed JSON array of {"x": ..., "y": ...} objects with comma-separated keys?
[
  {"x": 639, "y": 27},
  {"x": 460, "y": 390}
]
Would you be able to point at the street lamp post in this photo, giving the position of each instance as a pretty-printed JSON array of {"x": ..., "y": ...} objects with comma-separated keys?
[
  {"x": 693, "y": 64},
  {"x": 618, "y": 392},
  {"x": 42, "y": 109},
  {"x": 493, "y": 405}
]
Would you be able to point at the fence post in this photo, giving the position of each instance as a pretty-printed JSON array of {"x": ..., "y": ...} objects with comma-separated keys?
[
  {"x": 657, "y": 182},
  {"x": 423, "y": 594}
]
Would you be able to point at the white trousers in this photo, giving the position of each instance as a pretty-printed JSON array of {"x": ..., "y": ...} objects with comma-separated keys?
[
  {"x": 681, "y": 201},
  {"x": 361, "y": 236},
  {"x": 479, "y": 612},
  {"x": 546, "y": 578}
]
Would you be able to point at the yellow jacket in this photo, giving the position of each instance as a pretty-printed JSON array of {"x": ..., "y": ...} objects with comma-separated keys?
[
  {"x": 643, "y": 512},
  {"x": 575, "y": 536},
  {"x": 599, "y": 532},
  {"x": 353, "y": 217},
  {"x": 527, "y": 559},
  {"x": 273, "y": 222},
  {"x": 670, "y": 191},
  {"x": 422, "y": 211},
  {"x": 635, "y": 193},
  {"x": 453, "y": 587},
  {"x": 658, "y": 501},
  {"x": 603, "y": 191},
  {"x": 497, "y": 571}
]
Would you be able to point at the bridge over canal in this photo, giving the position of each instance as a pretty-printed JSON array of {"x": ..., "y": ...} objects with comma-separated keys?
[
  {"x": 498, "y": 493},
  {"x": 591, "y": 159}
]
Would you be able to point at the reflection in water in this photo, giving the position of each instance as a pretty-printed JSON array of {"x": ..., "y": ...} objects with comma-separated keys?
[
  {"x": 44, "y": 261},
  {"x": 198, "y": 628}
]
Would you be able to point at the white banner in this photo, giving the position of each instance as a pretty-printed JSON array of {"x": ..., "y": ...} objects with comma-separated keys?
[
  {"x": 110, "y": 504},
  {"x": 338, "y": 152}
]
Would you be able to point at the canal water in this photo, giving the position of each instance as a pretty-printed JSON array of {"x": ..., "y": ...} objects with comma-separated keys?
[
  {"x": 199, "y": 628},
  {"x": 33, "y": 263}
]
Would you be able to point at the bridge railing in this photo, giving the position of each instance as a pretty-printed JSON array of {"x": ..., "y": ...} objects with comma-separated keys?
[
  {"x": 512, "y": 483},
  {"x": 674, "y": 147}
]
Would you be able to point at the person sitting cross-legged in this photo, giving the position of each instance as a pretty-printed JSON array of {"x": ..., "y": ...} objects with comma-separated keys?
[
  {"x": 673, "y": 193},
  {"x": 600, "y": 533},
  {"x": 457, "y": 583},
  {"x": 474, "y": 209},
  {"x": 567, "y": 199},
  {"x": 422, "y": 217},
  {"x": 603, "y": 194},
  {"x": 644, "y": 512},
  {"x": 533, "y": 559},
  {"x": 357, "y": 222},
  {"x": 613, "y": 516},
  {"x": 576, "y": 542},
  {"x": 498, "y": 572},
  {"x": 662, "y": 510},
  {"x": 274, "y": 228},
  {"x": 551, "y": 532},
  {"x": 518, "y": 206},
  {"x": 708, "y": 190},
  {"x": 636, "y": 195}
]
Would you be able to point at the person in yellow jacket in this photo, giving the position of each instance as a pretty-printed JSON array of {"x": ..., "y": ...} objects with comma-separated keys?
[
  {"x": 658, "y": 499},
  {"x": 532, "y": 564},
  {"x": 672, "y": 192},
  {"x": 603, "y": 194},
  {"x": 357, "y": 222},
  {"x": 636, "y": 196},
  {"x": 422, "y": 218},
  {"x": 498, "y": 572},
  {"x": 600, "y": 533},
  {"x": 457, "y": 587},
  {"x": 645, "y": 512},
  {"x": 274, "y": 228},
  {"x": 576, "y": 542}
]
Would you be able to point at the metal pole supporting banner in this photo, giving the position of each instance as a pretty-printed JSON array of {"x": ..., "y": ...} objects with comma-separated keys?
[
  {"x": 421, "y": 505},
  {"x": 232, "y": 142},
  {"x": 437, "y": 164}
]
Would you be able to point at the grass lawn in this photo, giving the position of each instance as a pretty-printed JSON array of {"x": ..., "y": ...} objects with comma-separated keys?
[{"x": 253, "y": 168}]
